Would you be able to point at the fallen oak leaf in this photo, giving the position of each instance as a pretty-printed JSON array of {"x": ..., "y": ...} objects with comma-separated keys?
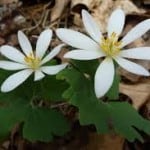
[{"x": 139, "y": 93}]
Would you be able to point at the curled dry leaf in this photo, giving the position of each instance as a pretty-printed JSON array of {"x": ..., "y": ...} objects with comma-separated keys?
[
  {"x": 57, "y": 10},
  {"x": 77, "y": 5},
  {"x": 105, "y": 142},
  {"x": 139, "y": 93},
  {"x": 77, "y": 20}
]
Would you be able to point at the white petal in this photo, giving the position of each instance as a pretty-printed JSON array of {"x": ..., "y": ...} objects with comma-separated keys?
[
  {"x": 8, "y": 65},
  {"x": 91, "y": 27},
  {"x": 12, "y": 53},
  {"x": 104, "y": 77},
  {"x": 83, "y": 54},
  {"x": 136, "y": 53},
  {"x": 52, "y": 70},
  {"x": 38, "y": 75},
  {"x": 77, "y": 39},
  {"x": 52, "y": 54},
  {"x": 136, "y": 32},
  {"x": 131, "y": 66},
  {"x": 15, "y": 80},
  {"x": 24, "y": 43},
  {"x": 43, "y": 42},
  {"x": 116, "y": 22}
]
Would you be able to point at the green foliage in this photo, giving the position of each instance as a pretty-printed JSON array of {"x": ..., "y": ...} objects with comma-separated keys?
[
  {"x": 52, "y": 89},
  {"x": 19, "y": 106},
  {"x": 48, "y": 88},
  {"x": 117, "y": 116},
  {"x": 11, "y": 113},
  {"x": 42, "y": 124},
  {"x": 113, "y": 93},
  {"x": 126, "y": 119},
  {"x": 88, "y": 67},
  {"x": 39, "y": 124}
]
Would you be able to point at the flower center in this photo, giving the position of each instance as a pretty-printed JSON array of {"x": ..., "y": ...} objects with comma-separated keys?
[
  {"x": 110, "y": 45},
  {"x": 32, "y": 61}
]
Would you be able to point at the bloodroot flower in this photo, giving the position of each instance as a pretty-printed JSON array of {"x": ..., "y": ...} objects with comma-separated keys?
[
  {"x": 111, "y": 48},
  {"x": 29, "y": 61}
]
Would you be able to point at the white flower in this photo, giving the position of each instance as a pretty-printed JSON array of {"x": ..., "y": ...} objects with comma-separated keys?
[
  {"x": 110, "y": 48},
  {"x": 29, "y": 61}
]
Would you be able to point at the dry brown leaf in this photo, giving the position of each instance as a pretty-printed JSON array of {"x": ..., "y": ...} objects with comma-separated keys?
[
  {"x": 57, "y": 10},
  {"x": 89, "y": 4},
  {"x": 105, "y": 142},
  {"x": 146, "y": 2},
  {"x": 129, "y": 7},
  {"x": 78, "y": 5},
  {"x": 146, "y": 110},
  {"x": 2, "y": 41},
  {"x": 130, "y": 76},
  {"x": 3, "y": 2},
  {"x": 144, "y": 63},
  {"x": 103, "y": 11},
  {"x": 139, "y": 93},
  {"x": 77, "y": 20}
]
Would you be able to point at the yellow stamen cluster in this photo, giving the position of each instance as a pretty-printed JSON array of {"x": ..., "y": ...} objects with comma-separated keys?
[
  {"x": 110, "y": 45},
  {"x": 32, "y": 61}
]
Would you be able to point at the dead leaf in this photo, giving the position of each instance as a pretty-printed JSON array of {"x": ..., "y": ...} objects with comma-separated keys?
[
  {"x": 130, "y": 76},
  {"x": 102, "y": 11},
  {"x": 3, "y": 2},
  {"x": 58, "y": 9},
  {"x": 146, "y": 2},
  {"x": 105, "y": 142},
  {"x": 146, "y": 109},
  {"x": 129, "y": 7},
  {"x": 139, "y": 93},
  {"x": 77, "y": 5},
  {"x": 2, "y": 41}
]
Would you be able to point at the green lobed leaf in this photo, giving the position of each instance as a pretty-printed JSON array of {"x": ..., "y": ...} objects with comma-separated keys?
[
  {"x": 52, "y": 89},
  {"x": 10, "y": 114},
  {"x": 81, "y": 94},
  {"x": 89, "y": 66},
  {"x": 119, "y": 116},
  {"x": 125, "y": 119},
  {"x": 42, "y": 124},
  {"x": 113, "y": 93}
]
